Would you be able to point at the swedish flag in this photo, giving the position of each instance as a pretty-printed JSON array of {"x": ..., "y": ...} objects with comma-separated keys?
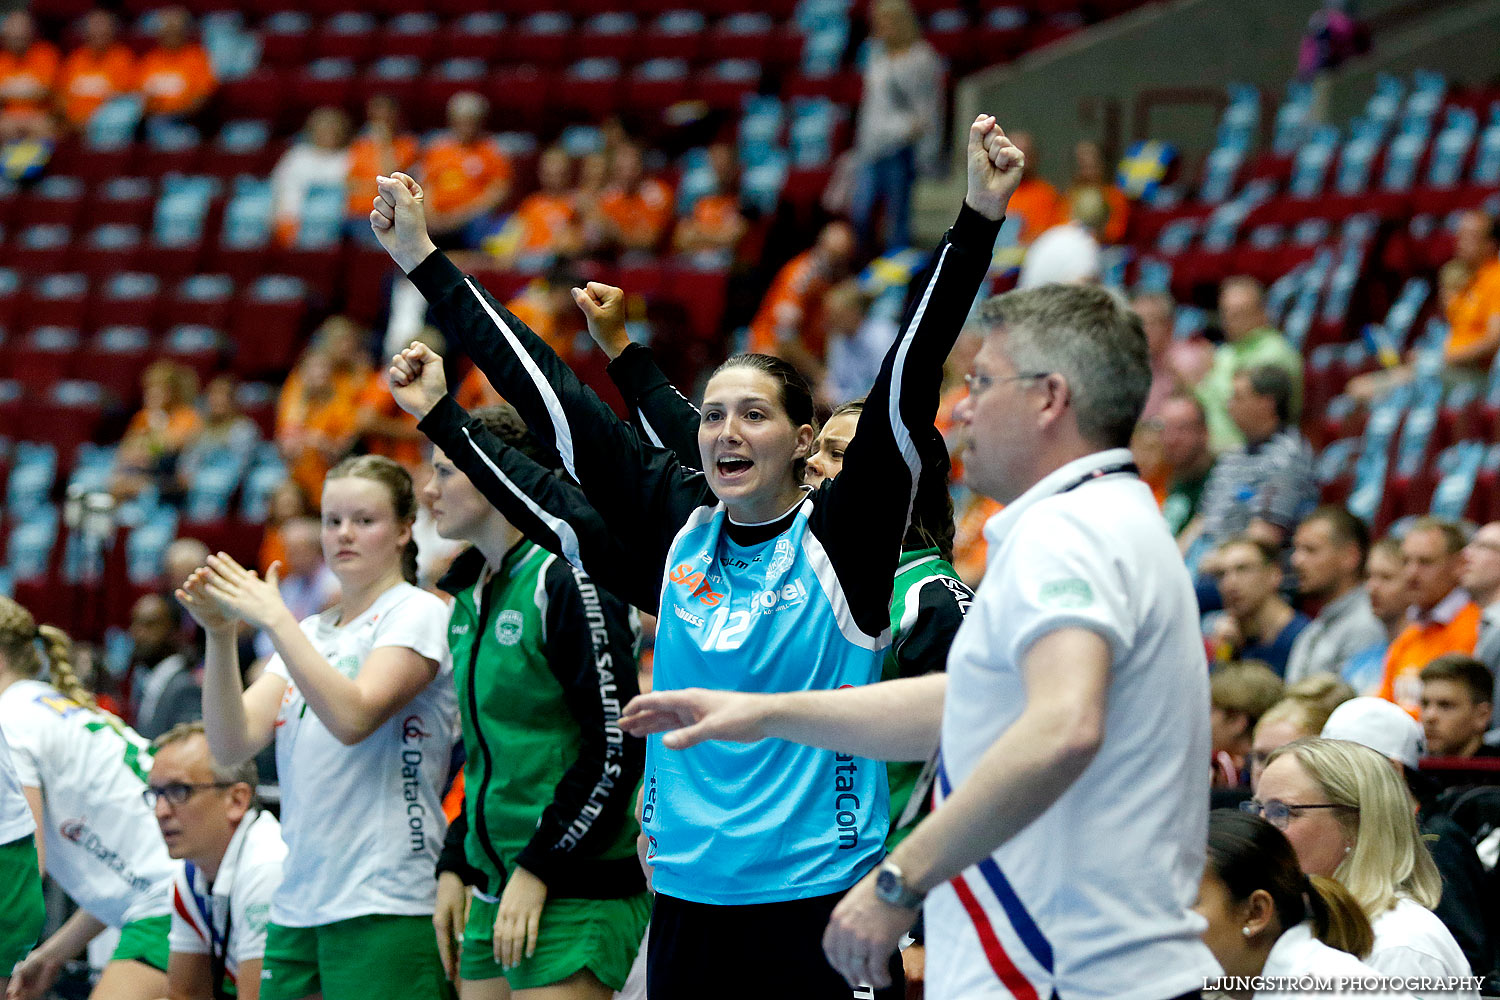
[{"x": 1144, "y": 167}]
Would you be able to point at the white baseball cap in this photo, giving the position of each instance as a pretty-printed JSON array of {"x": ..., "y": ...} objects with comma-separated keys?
[{"x": 1383, "y": 726}]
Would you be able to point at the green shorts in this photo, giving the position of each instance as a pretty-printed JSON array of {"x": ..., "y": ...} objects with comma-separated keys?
[
  {"x": 20, "y": 901},
  {"x": 601, "y": 935},
  {"x": 145, "y": 941},
  {"x": 377, "y": 957}
]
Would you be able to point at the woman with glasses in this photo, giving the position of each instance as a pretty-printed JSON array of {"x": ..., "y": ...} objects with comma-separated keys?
[
  {"x": 360, "y": 702},
  {"x": 82, "y": 772},
  {"x": 1266, "y": 918},
  {"x": 1349, "y": 817}
]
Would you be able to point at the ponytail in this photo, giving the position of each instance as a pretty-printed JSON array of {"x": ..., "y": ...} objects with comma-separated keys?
[
  {"x": 1337, "y": 919},
  {"x": 59, "y": 650},
  {"x": 409, "y": 562}
]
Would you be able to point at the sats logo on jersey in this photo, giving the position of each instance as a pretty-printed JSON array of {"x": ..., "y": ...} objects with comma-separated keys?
[{"x": 696, "y": 583}]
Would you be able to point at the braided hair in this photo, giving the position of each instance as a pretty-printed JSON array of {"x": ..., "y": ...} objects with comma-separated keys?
[{"x": 19, "y": 634}]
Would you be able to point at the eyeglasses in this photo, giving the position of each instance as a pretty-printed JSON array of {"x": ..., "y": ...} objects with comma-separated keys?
[
  {"x": 977, "y": 384},
  {"x": 1279, "y": 813},
  {"x": 178, "y": 792}
]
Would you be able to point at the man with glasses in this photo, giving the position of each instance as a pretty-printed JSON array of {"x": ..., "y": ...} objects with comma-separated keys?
[{"x": 231, "y": 853}]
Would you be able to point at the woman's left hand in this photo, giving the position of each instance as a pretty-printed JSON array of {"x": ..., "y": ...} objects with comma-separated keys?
[
  {"x": 519, "y": 917},
  {"x": 238, "y": 589}
]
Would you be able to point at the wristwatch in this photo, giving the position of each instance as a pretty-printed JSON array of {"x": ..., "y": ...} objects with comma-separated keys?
[{"x": 890, "y": 887}]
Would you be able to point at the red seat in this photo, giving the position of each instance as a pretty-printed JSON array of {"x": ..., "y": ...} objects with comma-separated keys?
[
  {"x": 621, "y": 45},
  {"x": 49, "y": 252},
  {"x": 589, "y": 96},
  {"x": 522, "y": 93},
  {"x": 127, "y": 202},
  {"x": 473, "y": 38},
  {"x": 656, "y": 44},
  {"x": 266, "y": 328},
  {"x": 343, "y": 39},
  {"x": 42, "y": 357},
  {"x": 126, "y": 300},
  {"x": 99, "y": 259},
  {"x": 284, "y": 48},
  {"x": 57, "y": 300},
  {"x": 723, "y": 93},
  {"x": 411, "y": 34},
  {"x": 724, "y": 44},
  {"x": 117, "y": 370},
  {"x": 654, "y": 94},
  {"x": 546, "y": 48},
  {"x": 258, "y": 95},
  {"x": 38, "y": 209},
  {"x": 203, "y": 300},
  {"x": 841, "y": 88}
]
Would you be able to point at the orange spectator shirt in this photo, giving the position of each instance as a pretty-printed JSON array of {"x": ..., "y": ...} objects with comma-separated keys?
[
  {"x": 335, "y": 419},
  {"x": 173, "y": 81},
  {"x": 642, "y": 215},
  {"x": 377, "y": 399},
  {"x": 717, "y": 215},
  {"x": 1039, "y": 207},
  {"x": 365, "y": 163},
  {"x": 34, "y": 71},
  {"x": 1418, "y": 645},
  {"x": 1472, "y": 310},
  {"x": 169, "y": 432},
  {"x": 455, "y": 176},
  {"x": 790, "y": 304},
  {"x": 544, "y": 220},
  {"x": 971, "y": 550},
  {"x": 475, "y": 390},
  {"x": 90, "y": 78}
]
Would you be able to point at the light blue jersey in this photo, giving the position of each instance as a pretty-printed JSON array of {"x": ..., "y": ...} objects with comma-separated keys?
[{"x": 764, "y": 822}]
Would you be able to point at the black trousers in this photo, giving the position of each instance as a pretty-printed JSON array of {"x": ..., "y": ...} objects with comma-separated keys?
[{"x": 766, "y": 951}]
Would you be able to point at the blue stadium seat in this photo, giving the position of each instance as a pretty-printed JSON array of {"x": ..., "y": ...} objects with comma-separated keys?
[
  {"x": 147, "y": 543},
  {"x": 33, "y": 474},
  {"x": 29, "y": 549},
  {"x": 1457, "y": 468},
  {"x": 1450, "y": 149},
  {"x": 1310, "y": 170}
]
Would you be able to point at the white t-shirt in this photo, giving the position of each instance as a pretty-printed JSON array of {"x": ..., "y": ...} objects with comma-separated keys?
[
  {"x": 102, "y": 842},
  {"x": 15, "y": 813},
  {"x": 1065, "y": 255},
  {"x": 237, "y": 902},
  {"x": 1093, "y": 898},
  {"x": 363, "y": 824},
  {"x": 1297, "y": 954},
  {"x": 1411, "y": 941}
]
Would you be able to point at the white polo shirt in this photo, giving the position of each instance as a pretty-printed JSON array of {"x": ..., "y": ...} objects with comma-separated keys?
[
  {"x": 15, "y": 813},
  {"x": 228, "y": 916},
  {"x": 1091, "y": 900},
  {"x": 363, "y": 824},
  {"x": 102, "y": 843}
]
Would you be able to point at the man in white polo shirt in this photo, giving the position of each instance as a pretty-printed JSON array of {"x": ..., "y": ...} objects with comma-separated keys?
[
  {"x": 230, "y": 852},
  {"x": 1072, "y": 780}
]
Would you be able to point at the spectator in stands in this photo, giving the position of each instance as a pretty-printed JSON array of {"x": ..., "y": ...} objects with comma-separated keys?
[
  {"x": 1442, "y": 619},
  {"x": 1382, "y": 727},
  {"x": 1157, "y": 316},
  {"x": 546, "y": 221},
  {"x": 899, "y": 127},
  {"x": 1456, "y": 706},
  {"x": 1328, "y": 555},
  {"x": 1300, "y": 714},
  {"x": 1257, "y": 623},
  {"x": 1334, "y": 35},
  {"x": 163, "y": 688},
  {"x": 717, "y": 222},
  {"x": 1480, "y": 576},
  {"x": 635, "y": 210},
  {"x": 1385, "y": 585},
  {"x": 226, "y": 433},
  {"x": 182, "y": 557},
  {"x": 176, "y": 77},
  {"x": 28, "y": 78},
  {"x": 319, "y": 158},
  {"x": 1068, "y": 253},
  {"x": 1474, "y": 313},
  {"x": 1239, "y": 694},
  {"x": 1270, "y": 477},
  {"x": 1091, "y": 173},
  {"x": 286, "y": 502},
  {"x": 465, "y": 177},
  {"x": 307, "y": 585},
  {"x": 857, "y": 340},
  {"x": 99, "y": 70},
  {"x": 1184, "y": 439},
  {"x": 1249, "y": 341},
  {"x": 317, "y": 427},
  {"x": 789, "y": 324},
  {"x": 1365, "y": 835},
  {"x": 546, "y": 305},
  {"x": 167, "y": 419},
  {"x": 1036, "y": 205},
  {"x": 380, "y": 148}
]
